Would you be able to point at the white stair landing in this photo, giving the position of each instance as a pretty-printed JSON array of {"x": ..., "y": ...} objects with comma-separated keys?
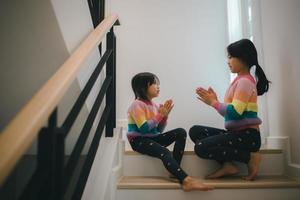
[{"x": 233, "y": 188}]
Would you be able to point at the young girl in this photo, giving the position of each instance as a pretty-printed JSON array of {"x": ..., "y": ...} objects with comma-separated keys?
[
  {"x": 241, "y": 139},
  {"x": 146, "y": 122}
]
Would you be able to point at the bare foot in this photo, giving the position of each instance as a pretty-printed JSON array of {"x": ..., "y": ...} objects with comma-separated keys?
[
  {"x": 190, "y": 184},
  {"x": 253, "y": 166},
  {"x": 227, "y": 169}
]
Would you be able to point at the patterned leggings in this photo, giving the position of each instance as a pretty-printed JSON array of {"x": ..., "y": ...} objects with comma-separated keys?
[
  {"x": 156, "y": 147},
  {"x": 225, "y": 146}
]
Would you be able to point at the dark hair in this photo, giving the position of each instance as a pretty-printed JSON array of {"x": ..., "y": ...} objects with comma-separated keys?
[
  {"x": 245, "y": 51},
  {"x": 140, "y": 83}
]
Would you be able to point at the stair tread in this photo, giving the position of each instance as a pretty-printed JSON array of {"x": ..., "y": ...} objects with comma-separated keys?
[{"x": 155, "y": 182}]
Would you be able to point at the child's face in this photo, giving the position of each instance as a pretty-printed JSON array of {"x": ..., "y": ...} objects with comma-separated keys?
[
  {"x": 153, "y": 91},
  {"x": 236, "y": 65}
]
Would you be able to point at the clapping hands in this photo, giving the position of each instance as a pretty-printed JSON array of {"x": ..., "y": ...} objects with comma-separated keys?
[
  {"x": 206, "y": 96},
  {"x": 165, "y": 109}
]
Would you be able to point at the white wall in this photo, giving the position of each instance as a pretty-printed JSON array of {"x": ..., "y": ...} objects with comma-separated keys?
[
  {"x": 281, "y": 44},
  {"x": 36, "y": 39},
  {"x": 32, "y": 49},
  {"x": 183, "y": 43},
  {"x": 75, "y": 23}
]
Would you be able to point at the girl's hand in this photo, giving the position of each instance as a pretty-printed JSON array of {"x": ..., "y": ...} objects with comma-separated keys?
[
  {"x": 166, "y": 108},
  {"x": 210, "y": 90},
  {"x": 206, "y": 96}
]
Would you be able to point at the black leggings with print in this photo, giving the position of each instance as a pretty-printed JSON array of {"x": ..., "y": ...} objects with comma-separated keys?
[
  {"x": 156, "y": 147},
  {"x": 224, "y": 146}
]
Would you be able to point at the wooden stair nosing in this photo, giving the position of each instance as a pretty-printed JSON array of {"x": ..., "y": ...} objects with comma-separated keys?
[{"x": 261, "y": 182}]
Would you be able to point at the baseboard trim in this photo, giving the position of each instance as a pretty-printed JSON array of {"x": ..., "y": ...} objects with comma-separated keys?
[{"x": 291, "y": 169}]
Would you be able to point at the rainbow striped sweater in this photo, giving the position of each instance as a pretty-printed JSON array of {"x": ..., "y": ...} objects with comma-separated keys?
[
  {"x": 240, "y": 104},
  {"x": 144, "y": 119}
]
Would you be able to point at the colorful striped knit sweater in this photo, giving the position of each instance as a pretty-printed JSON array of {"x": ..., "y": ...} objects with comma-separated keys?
[
  {"x": 240, "y": 104},
  {"x": 144, "y": 120}
]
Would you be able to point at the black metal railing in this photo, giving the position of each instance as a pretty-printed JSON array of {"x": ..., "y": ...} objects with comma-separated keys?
[
  {"x": 97, "y": 10},
  {"x": 55, "y": 170}
]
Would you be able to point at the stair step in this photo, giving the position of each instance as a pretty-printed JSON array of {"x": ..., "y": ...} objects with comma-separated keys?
[
  {"x": 136, "y": 164},
  {"x": 261, "y": 182},
  {"x": 234, "y": 188}
]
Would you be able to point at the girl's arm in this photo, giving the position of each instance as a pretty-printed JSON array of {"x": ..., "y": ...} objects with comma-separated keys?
[
  {"x": 162, "y": 124},
  {"x": 234, "y": 110},
  {"x": 165, "y": 110}
]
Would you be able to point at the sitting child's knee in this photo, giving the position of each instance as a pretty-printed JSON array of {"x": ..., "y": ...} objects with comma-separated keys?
[
  {"x": 200, "y": 150},
  {"x": 192, "y": 132},
  {"x": 181, "y": 132}
]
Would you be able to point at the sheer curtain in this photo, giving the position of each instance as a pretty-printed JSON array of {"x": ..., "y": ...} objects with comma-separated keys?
[{"x": 235, "y": 25}]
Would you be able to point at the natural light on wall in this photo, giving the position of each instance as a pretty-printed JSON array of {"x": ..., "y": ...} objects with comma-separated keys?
[
  {"x": 235, "y": 29},
  {"x": 239, "y": 22}
]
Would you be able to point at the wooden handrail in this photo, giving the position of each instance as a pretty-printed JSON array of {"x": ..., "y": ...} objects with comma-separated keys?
[{"x": 23, "y": 129}]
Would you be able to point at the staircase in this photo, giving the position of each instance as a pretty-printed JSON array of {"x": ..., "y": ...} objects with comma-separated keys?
[{"x": 145, "y": 178}]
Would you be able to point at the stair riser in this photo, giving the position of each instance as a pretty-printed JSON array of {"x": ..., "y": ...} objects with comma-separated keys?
[
  {"x": 232, "y": 194},
  {"x": 140, "y": 165}
]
